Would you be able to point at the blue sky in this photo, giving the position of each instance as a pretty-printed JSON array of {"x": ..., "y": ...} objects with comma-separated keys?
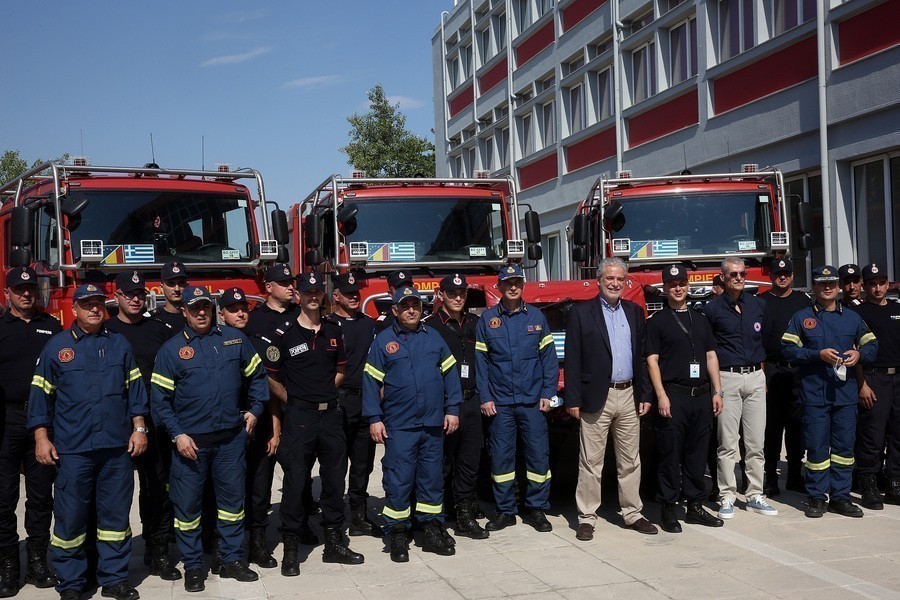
[{"x": 268, "y": 84}]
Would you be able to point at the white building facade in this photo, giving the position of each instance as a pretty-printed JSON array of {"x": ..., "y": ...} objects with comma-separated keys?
[{"x": 558, "y": 93}]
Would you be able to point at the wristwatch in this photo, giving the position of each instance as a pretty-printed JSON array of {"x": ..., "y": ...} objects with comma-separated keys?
[
  {"x": 719, "y": 393},
  {"x": 143, "y": 430}
]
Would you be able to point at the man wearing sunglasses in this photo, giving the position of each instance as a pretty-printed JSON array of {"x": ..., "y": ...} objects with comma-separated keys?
[
  {"x": 740, "y": 323},
  {"x": 851, "y": 284}
]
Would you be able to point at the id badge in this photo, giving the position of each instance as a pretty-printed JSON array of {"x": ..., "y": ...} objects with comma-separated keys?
[
  {"x": 695, "y": 370},
  {"x": 464, "y": 371}
]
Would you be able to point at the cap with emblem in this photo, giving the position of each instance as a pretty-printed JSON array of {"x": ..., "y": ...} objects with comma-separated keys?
[
  {"x": 130, "y": 281},
  {"x": 674, "y": 273},
  {"x": 278, "y": 272},
  {"x": 309, "y": 282},
  {"x": 782, "y": 265},
  {"x": 232, "y": 296},
  {"x": 453, "y": 282},
  {"x": 172, "y": 270},
  {"x": 848, "y": 270},
  {"x": 194, "y": 294},
  {"x": 346, "y": 282},
  {"x": 510, "y": 272},
  {"x": 399, "y": 278},
  {"x": 406, "y": 292},
  {"x": 824, "y": 273},
  {"x": 21, "y": 276},
  {"x": 873, "y": 271},
  {"x": 88, "y": 290}
]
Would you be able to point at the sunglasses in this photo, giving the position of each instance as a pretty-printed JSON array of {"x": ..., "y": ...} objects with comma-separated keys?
[{"x": 736, "y": 274}]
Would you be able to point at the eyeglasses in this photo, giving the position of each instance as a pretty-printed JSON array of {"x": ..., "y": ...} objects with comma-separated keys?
[
  {"x": 737, "y": 274},
  {"x": 456, "y": 293},
  {"x": 132, "y": 295}
]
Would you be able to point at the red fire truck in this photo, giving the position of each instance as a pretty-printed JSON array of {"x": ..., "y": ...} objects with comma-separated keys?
[{"x": 77, "y": 223}]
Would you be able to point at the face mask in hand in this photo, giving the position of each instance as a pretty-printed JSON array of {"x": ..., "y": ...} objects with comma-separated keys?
[{"x": 840, "y": 370}]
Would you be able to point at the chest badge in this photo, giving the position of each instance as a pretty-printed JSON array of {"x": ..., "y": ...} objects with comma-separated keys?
[
  {"x": 809, "y": 323},
  {"x": 392, "y": 347},
  {"x": 186, "y": 353},
  {"x": 273, "y": 354},
  {"x": 332, "y": 342},
  {"x": 66, "y": 355},
  {"x": 757, "y": 327},
  {"x": 494, "y": 323}
]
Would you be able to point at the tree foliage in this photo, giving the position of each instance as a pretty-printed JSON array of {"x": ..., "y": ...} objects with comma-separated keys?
[
  {"x": 12, "y": 165},
  {"x": 381, "y": 145}
]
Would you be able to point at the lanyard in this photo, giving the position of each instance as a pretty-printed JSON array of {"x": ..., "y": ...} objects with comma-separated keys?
[{"x": 686, "y": 332}]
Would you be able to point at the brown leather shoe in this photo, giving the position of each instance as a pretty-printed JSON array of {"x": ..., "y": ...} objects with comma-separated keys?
[
  {"x": 585, "y": 532},
  {"x": 644, "y": 526}
]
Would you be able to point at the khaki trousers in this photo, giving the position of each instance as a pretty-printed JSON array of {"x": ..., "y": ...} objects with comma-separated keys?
[{"x": 744, "y": 405}]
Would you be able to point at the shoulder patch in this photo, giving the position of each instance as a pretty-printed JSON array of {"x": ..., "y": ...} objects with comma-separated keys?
[
  {"x": 273, "y": 354},
  {"x": 233, "y": 342}
]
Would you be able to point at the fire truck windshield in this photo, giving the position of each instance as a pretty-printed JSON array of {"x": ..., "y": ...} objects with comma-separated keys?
[
  {"x": 158, "y": 226},
  {"x": 429, "y": 230},
  {"x": 693, "y": 225}
]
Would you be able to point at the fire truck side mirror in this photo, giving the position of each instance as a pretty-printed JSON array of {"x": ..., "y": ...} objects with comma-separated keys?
[
  {"x": 283, "y": 255},
  {"x": 613, "y": 216},
  {"x": 313, "y": 258},
  {"x": 73, "y": 206},
  {"x": 804, "y": 218},
  {"x": 532, "y": 226},
  {"x": 535, "y": 252},
  {"x": 579, "y": 254},
  {"x": 20, "y": 257},
  {"x": 280, "y": 226},
  {"x": 21, "y": 226},
  {"x": 580, "y": 230},
  {"x": 347, "y": 219},
  {"x": 312, "y": 230}
]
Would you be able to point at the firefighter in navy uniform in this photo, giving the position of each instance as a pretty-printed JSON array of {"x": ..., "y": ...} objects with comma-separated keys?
[
  {"x": 462, "y": 449},
  {"x": 682, "y": 363},
  {"x": 517, "y": 373},
  {"x": 783, "y": 409},
  {"x": 851, "y": 284},
  {"x": 88, "y": 386},
  {"x": 173, "y": 279},
  {"x": 197, "y": 384},
  {"x": 410, "y": 365},
  {"x": 396, "y": 280},
  {"x": 826, "y": 342},
  {"x": 358, "y": 329},
  {"x": 879, "y": 394},
  {"x": 309, "y": 361},
  {"x": 24, "y": 331}
]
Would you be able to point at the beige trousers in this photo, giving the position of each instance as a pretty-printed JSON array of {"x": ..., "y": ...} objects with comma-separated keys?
[{"x": 744, "y": 405}]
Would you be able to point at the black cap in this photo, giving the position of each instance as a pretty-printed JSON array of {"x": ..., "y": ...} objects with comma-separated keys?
[
  {"x": 453, "y": 282},
  {"x": 21, "y": 276},
  {"x": 825, "y": 273},
  {"x": 278, "y": 272},
  {"x": 849, "y": 270},
  {"x": 130, "y": 281},
  {"x": 400, "y": 278},
  {"x": 873, "y": 271},
  {"x": 346, "y": 282},
  {"x": 232, "y": 296},
  {"x": 780, "y": 265},
  {"x": 172, "y": 270},
  {"x": 674, "y": 273},
  {"x": 312, "y": 281}
]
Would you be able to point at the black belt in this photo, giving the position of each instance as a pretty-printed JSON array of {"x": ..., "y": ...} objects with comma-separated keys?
[
  {"x": 313, "y": 405},
  {"x": 351, "y": 391},
  {"x": 16, "y": 405},
  {"x": 742, "y": 370},
  {"x": 467, "y": 394},
  {"x": 686, "y": 389},
  {"x": 882, "y": 370},
  {"x": 619, "y": 385}
]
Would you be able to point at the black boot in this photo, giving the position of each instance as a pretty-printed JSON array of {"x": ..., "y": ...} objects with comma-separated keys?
[
  {"x": 290, "y": 562},
  {"x": 9, "y": 571},
  {"x": 399, "y": 544},
  {"x": 869, "y": 491},
  {"x": 893, "y": 491},
  {"x": 697, "y": 515},
  {"x": 360, "y": 524},
  {"x": 239, "y": 571},
  {"x": 160, "y": 563},
  {"x": 435, "y": 542},
  {"x": 669, "y": 521},
  {"x": 259, "y": 551},
  {"x": 38, "y": 574},
  {"x": 216, "y": 567},
  {"x": 466, "y": 525},
  {"x": 194, "y": 580},
  {"x": 337, "y": 551}
]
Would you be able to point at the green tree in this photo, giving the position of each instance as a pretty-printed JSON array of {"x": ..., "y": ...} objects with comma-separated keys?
[
  {"x": 381, "y": 145},
  {"x": 12, "y": 165}
]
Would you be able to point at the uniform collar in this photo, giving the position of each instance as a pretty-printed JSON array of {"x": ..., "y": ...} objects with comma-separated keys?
[
  {"x": 38, "y": 316},
  {"x": 445, "y": 317},
  {"x": 730, "y": 301},
  {"x": 189, "y": 334},
  {"x": 398, "y": 330},
  {"x": 79, "y": 334},
  {"x": 817, "y": 308},
  {"x": 523, "y": 307}
]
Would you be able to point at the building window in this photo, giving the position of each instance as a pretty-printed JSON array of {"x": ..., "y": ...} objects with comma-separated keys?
[
  {"x": 526, "y": 135},
  {"x": 453, "y": 72},
  {"x": 499, "y": 24},
  {"x": 876, "y": 186},
  {"x": 543, "y": 7},
  {"x": 470, "y": 161},
  {"x": 670, "y": 4},
  {"x": 465, "y": 61},
  {"x": 457, "y": 166},
  {"x": 641, "y": 22},
  {"x": 790, "y": 13},
  {"x": 575, "y": 108},
  {"x": 502, "y": 143},
  {"x": 548, "y": 124},
  {"x": 643, "y": 65},
  {"x": 735, "y": 27},
  {"x": 487, "y": 153},
  {"x": 552, "y": 263},
  {"x": 683, "y": 49},
  {"x": 484, "y": 45},
  {"x": 522, "y": 13},
  {"x": 573, "y": 65},
  {"x": 604, "y": 94}
]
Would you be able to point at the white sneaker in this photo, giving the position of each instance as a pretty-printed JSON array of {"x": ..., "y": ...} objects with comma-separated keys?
[
  {"x": 726, "y": 509},
  {"x": 758, "y": 504}
]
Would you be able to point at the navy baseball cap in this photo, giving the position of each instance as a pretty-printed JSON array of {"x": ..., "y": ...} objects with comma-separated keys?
[
  {"x": 782, "y": 265},
  {"x": 312, "y": 281},
  {"x": 232, "y": 296},
  {"x": 849, "y": 270},
  {"x": 88, "y": 290},
  {"x": 873, "y": 271},
  {"x": 278, "y": 272},
  {"x": 510, "y": 272},
  {"x": 406, "y": 292},
  {"x": 400, "y": 278},
  {"x": 194, "y": 294},
  {"x": 346, "y": 282},
  {"x": 453, "y": 282},
  {"x": 172, "y": 270},
  {"x": 825, "y": 273},
  {"x": 674, "y": 273},
  {"x": 130, "y": 281},
  {"x": 21, "y": 276}
]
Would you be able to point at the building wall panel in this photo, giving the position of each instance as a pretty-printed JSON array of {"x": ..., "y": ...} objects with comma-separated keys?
[
  {"x": 538, "y": 172},
  {"x": 495, "y": 75},
  {"x": 675, "y": 114},
  {"x": 869, "y": 32},
  {"x": 591, "y": 150},
  {"x": 536, "y": 42},
  {"x": 577, "y": 11},
  {"x": 462, "y": 100}
]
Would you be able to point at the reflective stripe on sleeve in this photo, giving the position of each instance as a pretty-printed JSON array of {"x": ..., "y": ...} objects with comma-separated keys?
[
  {"x": 40, "y": 382},
  {"x": 548, "y": 339},
  {"x": 481, "y": 346},
  {"x": 865, "y": 339},
  {"x": 447, "y": 364},
  {"x": 794, "y": 339},
  {"x": 375, "y": 373},
  {"x": 252, "y": 365},
  {"x": 163, "y": 382}
]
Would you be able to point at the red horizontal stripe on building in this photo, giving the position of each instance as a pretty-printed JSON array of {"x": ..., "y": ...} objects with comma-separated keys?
[
  {"x": 536, "y": 42},
  {"x": 538, "y": 172},
  {"x": 577, "y": 11},
  {"x": 766, "y": 76},
  {"x": 495, "y": 75},
  {"x": 869, "y": 32},
  {"x": 462, "y": 100},
  {"x": 591, "y": 150},
  {"x": 675, "y": 114}
]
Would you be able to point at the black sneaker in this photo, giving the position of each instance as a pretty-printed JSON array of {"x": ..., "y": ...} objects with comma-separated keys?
[
  {"x": 537, "y": 519},
  {"x": 843, "y": 506},
  {"x": 500, "y": 521},
  {"x": 816, "y": 508}
]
